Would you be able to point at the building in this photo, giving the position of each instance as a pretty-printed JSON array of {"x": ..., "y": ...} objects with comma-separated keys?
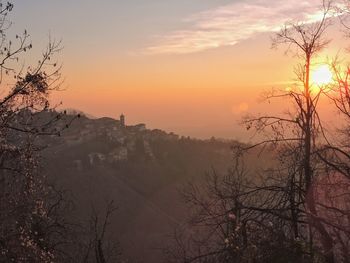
[{"x": 122, "y": 120}]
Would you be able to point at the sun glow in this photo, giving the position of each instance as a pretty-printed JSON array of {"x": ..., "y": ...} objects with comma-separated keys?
[{"x": 321, "y": 76}]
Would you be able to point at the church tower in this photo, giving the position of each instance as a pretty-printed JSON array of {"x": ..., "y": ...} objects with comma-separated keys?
[{"x": 122, "y": 120}]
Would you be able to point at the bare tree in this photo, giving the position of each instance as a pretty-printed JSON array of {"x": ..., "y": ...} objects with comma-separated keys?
[
  {"x": 284, "y": 207},
  {"x": 97, "y": 244},
  {"x": 28, "y": 219},
  {"x": 299, "y": 132},
  {"x": 236, "y": 219}
]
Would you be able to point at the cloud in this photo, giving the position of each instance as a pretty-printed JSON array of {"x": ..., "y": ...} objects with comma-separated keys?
[{"x": 230, "y": 24}]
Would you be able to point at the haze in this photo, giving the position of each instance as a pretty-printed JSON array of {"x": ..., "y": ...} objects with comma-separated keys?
[{"x": 191, "y": 67}]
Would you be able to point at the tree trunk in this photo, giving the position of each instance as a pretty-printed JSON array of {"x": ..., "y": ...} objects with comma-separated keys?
[{"x": 326, "y": 239}]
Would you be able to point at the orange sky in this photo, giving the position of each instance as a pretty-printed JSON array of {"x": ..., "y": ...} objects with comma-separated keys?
[
  {"x": 201, "y": 94},
  {"x": 196, "y": 74}
]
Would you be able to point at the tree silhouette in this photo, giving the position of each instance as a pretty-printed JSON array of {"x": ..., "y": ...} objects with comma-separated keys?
[
  {"x": 305, "y": 125},
  {"x": 31, "y": 229},
  {"x": 286, "y": 206}
]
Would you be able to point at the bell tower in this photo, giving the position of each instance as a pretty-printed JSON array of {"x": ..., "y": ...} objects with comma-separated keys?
[{"x": 122, "y": 120}]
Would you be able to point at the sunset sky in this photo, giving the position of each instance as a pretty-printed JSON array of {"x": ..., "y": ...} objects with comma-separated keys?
[{"x": 193, "y": 67}]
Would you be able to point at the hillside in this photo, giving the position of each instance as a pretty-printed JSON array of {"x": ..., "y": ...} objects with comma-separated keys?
[{"x": 142, "y": 170}]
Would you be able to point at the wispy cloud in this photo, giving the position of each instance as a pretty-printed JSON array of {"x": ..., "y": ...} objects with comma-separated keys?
[{"x": 229, "y": 24}]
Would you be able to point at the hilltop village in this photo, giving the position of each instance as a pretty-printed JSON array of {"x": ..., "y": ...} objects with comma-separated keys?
[{"x": 124, "y": 140}]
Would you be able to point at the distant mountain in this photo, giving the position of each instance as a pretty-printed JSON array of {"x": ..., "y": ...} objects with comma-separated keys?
[{"x": 140, "y": 169}]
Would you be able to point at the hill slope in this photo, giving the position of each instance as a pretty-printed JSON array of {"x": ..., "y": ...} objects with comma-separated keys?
[{"x": 140, "y": 169}]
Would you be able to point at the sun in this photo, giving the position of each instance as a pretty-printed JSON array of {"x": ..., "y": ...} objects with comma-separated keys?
[{"x": 321, "y": 76}]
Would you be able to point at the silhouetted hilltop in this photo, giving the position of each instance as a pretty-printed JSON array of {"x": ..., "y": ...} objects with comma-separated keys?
[
  {"x": 140, "y": 169},
  {"x": 106, "y": 141}
]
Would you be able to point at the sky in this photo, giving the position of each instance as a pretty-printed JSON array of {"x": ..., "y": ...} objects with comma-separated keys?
[{"x": 193, "y": 67}]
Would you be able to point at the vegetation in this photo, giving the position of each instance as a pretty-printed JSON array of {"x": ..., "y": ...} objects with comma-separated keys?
[
  {"x": 294, "y": 208},
  {"x": 33, "y": 224},
  {"x": 298, "y": 211}
]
